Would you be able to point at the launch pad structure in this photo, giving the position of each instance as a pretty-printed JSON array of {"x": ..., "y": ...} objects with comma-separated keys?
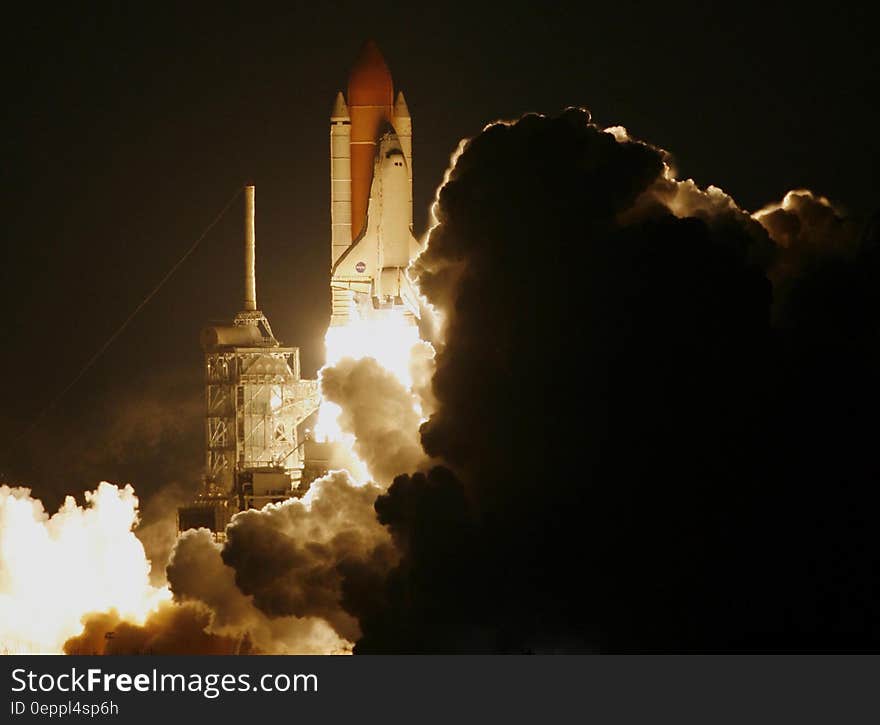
[
  {"x": 255, "y": 401},
  {"x": 255, "y": 397}
]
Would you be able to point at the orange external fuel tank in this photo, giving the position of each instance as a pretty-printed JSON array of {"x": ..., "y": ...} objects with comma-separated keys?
[{"x": 370, "y": 105}]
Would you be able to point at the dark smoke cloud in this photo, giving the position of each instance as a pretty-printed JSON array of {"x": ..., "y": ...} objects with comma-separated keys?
[
  {"x": 198, "y": 576},
  {"x": 637, "y": 456},
  {"x": 308, "y": 558},
  {"x": 810, "y": 234}
]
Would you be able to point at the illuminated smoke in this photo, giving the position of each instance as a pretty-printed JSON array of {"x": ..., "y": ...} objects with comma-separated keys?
[
  {"x": 806, "y": 219},
  {"x": 171, "y": 629},
  {"x": 280, "y": 585},
  {"x": 55, "y": 569},
  {"x": 808, "y": 230},
  {"x": 376, "y": 393},
  {"x": 381, "y": 415},
  {"x": 210, "y": 615}
]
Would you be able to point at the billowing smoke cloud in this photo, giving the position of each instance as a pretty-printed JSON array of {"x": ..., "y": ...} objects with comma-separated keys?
[
  {"x": 381, "y": 414},
  {"x": 55, "y": 569},
  {"x": 171, "y": 630},
  {"x": 649, "y": 407},
  {"x": 283, "y": 582},
  {"x": 810, "y": 234},
  {"x": 198, "y": 575},
  {"x": 807, "y": 226},
  {"x": 639, "y": 458},
  {"x": 294, "y": 558},
  {"x": 286, "y": 573},
  {"x": 210, "y": 615}
]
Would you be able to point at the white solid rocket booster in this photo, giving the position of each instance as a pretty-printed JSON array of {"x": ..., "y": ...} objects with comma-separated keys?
[{"x": 340, "y": 178}]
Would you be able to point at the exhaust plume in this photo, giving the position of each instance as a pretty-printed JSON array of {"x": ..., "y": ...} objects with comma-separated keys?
[{"x": 56, "y": 569}]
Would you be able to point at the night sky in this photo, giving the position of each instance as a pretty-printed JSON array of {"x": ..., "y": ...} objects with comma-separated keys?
[{"x": 127, "y": 130}]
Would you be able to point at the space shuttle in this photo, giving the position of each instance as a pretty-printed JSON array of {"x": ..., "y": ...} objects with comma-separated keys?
[{"x": 372, "y": 242}]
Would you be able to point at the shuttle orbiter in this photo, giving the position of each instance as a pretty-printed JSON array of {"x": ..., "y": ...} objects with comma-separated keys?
[{"x": 372, "y": 242}]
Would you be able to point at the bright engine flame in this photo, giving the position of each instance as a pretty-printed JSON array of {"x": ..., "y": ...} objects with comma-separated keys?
[
  {"x": 391, "y": 339},
  {"x": 55, "y": 569}
]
